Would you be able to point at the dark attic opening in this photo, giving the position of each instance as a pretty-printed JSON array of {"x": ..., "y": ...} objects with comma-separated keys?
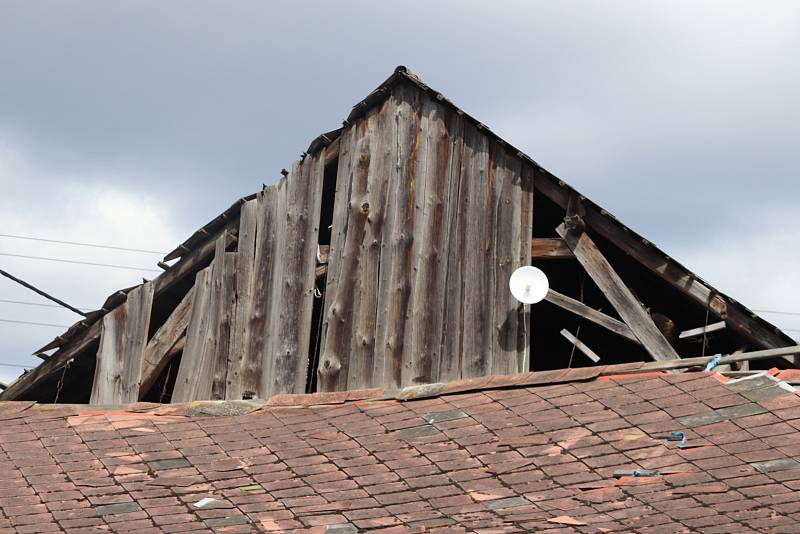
[{"x": 329, "y": 184}]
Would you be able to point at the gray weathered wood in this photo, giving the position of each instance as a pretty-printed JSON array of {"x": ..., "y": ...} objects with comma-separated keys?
[
  {"x": 198, "y": 370},
  {"x": 509, "y": 251},
  {"x": 162, "y": 342},
  {"x": 590, "y": 314},
  {"x": 580, "y": 345},
  {"x": 477, "y": 279},
  {"x": 431, "y": 248},
  {"x": 122, "y": 342},
  {"x": 452, "y": 306},
  {"x": 683, "y": 363},
  {"x": 259, "y": 309},
  {"x": 332, "y": 340},
  {"x": 240, "y": 357},
  {"x": 618, "y": 294},
  {"x": 394, "y": 287},
  {"x": 714, "y": 327},
  {"x": 297, "y": 280},
  {"x": 226, "y": 309}
]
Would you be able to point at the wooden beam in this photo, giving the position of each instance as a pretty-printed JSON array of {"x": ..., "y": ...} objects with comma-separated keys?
[
  {"x": 683, "y": 363},
  {"x": 702, "y": 330},
  {"x": 580, "y": 345},
  {"x": 196, "y": 259},
  {"x": 618, "y": 294},
  {"x": 159, "y": 348},
  {"x": 590, "y": 314},
  {"x": 550, "y": 249},
  {"x": 23, "y": 385},
  {"x": 672, "y": 272}
]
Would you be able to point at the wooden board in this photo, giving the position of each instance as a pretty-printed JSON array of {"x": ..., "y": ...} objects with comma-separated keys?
[
  {"x": 297, "y": 244},
  {"x": 618, "y": 294},
  {"x": 196, "y": 374},
  {"x": 242, "y": 361},
  {"x": 123, "y": 339}
]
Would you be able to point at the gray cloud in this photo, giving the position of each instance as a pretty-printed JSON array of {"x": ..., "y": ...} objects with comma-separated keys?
[{"x": 682, "y": 118}]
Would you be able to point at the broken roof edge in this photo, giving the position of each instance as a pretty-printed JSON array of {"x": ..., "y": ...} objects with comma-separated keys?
[{"x": 534, "y": 379}]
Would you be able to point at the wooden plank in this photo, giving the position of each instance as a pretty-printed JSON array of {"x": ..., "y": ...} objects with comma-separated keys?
[
  {"x": 508, "y": 252},
  {"x": 226, "y": 308},
  {"x": 525, "y": 332},
  {"x": 550, "y": 249},
  {"x": 394, "y": 286},
  {"x": 259, "y": 310},
  {"x": 122, "y": 342},
  {"x": 590, "y": 314},
  {"x": 477, "y": 271},
  {"x": 369, "y": 198},
  {"x": 303, "y": 197},
  {"x": 684, "y": 363},
  {"x": 452, "y": 338},
  {"x": 276, "y": 307},
  {"x": 240, "y": 357},
  {"x": 162, "y": 342},
  {"x": 694, "y": 332},
  {"x": 25, "y": 384},
  {"x": 333, "y": 352},
  {"x": 197, "y": 372},
  {"x": 580, "y": 345},
  {"x": 431, "y": 246},
  {"x": 618, "y": 294}
]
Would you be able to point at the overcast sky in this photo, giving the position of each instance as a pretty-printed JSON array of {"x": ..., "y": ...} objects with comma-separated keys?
[{"x": 134, "y": 123}]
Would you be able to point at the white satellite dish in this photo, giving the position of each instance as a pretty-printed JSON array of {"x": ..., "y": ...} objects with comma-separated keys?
[{"x": 528, "y": 284}]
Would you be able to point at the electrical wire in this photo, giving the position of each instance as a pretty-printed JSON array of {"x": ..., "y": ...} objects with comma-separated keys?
[
  {"x": 42, "y": 304},
  {"x": 80, "y": 244},
  {"x": 61, "y": 260},
  {"x": 17, "y": 366},
  {"x": 34, "y": 323},
  {"x": 777, "y": 312}
]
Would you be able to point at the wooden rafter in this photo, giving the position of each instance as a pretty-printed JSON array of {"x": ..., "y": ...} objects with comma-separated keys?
[
  {"x": 590, "y": 314},
  {"x": 618, "y": 294}
]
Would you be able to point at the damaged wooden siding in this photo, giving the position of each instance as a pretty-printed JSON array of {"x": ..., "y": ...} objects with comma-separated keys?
[
  {"x": 431, "y": 218},
  {"x": 247, "y": 318}
]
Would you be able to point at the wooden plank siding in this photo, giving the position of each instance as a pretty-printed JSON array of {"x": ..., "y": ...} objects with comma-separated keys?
[
  {"x": 123, "y": 338},
  {"x": 430, "y": 219}
]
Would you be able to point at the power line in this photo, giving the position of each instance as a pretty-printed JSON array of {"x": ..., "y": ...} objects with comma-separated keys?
[
  {"x": 61, "y": 260},
  {"x": 777, "y": 312},
  {"x": 33, "y": 323},
  {"x": 42, "y": 304},
  {"x": 18, "y": 366},
  {"x": 79, "y": 244}
]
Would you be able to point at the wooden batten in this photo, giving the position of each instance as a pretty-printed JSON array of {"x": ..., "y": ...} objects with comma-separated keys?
[
  {"x": 550, "y": 249},
  {"x": 123, "y": 339}
]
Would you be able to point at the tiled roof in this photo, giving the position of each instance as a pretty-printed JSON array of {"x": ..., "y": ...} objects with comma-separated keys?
[{"x": 569, "y": 457}]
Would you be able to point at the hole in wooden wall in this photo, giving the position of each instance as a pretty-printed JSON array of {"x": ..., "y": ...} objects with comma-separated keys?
[
  {"x": 162, "y": 388},
  {"x": 327, "y": 204}
]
